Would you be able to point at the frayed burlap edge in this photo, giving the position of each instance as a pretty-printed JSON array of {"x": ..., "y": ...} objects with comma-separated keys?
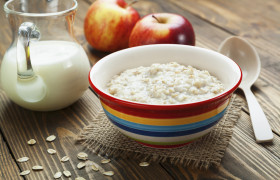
[{"x": 201, "y": 154}]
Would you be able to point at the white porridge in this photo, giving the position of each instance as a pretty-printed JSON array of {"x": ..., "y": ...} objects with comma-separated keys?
[{"x": 169, "y": 83}]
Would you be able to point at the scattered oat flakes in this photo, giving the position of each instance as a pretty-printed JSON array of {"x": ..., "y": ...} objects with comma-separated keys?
[
  {"x": 51, "y": 138},
  {"x": 108, "y": 173},
  {"x": 82, "y": 156},
  {"x": 94, "y": 166},
  {"x": 144, "y": 164},
  {"x": 80, "y": 178},
  {"x": 51, "y": 151},
  {"x": 31, "y": 142},
  {"x": 64, "y": 159},
  {"x": 67, "y": 173},
  {"x": 23, "y": 159},
  {"x": 37, "y": 168},
  {"x": 105, "y": 161},
  {"x": 81, "y": 165},
  {"x": 57, "y": 175},
  {"x": 24, "y": 173}
]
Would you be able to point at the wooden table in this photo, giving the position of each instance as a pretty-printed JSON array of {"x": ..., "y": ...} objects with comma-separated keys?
[{"x": 258, "y": 21}]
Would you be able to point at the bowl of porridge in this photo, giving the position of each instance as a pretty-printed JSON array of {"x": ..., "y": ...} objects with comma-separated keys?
[{"x": 165, "y": 95}]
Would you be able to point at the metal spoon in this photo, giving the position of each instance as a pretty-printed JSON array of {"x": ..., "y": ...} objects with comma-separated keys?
[{"x": 246, "y": 56}]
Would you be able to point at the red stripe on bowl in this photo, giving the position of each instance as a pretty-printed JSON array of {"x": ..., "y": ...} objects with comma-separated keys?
[{"x": 163, "y": 113}]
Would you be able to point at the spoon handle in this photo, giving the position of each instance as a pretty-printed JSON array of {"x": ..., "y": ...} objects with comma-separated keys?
[{"x": 259, "y": 121}]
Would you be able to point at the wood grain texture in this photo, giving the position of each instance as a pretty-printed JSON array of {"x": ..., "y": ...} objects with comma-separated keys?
[
  {"x": 5, "y": 32},
  {"x": 244, "y": 159},
  {"x": 20, "y": 125},
  {"x": 258, "y": 21},
  {"x": 8, "y": 166}
]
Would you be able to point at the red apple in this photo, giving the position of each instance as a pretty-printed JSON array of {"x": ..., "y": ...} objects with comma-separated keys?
[
  {"x": 162, "y": 28},
  {"x": 108, "y": 24}
]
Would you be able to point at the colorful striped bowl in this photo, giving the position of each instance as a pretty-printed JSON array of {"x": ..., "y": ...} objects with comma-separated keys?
[{"x": 165, "y": 126}]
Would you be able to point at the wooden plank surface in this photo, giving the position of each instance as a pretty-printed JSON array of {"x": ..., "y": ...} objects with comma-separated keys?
[
  {"x": 213, "y": 21},
  {"x": 20, "y": 125},
  {"x": 244, "y": 159},
  {"x": 258, "y": 21},
  {"x": 9, "y": 168}
]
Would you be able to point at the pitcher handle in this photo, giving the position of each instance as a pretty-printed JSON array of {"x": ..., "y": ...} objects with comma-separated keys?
[
  {"x": 27, "y": 32},
  {"x": 30, "y": 87}
]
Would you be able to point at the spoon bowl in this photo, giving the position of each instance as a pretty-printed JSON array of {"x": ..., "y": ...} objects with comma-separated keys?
[{"x": 246, "y": 56}]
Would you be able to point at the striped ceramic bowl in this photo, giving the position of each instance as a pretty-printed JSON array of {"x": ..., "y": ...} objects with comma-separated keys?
[{"x": 165, "y": 126}]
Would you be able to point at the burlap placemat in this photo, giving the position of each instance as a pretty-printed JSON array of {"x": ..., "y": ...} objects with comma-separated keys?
[{"x": 101, "y": 137}]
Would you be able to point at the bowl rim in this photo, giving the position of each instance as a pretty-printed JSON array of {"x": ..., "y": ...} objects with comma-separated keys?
[{"x": 112, "y": 98}]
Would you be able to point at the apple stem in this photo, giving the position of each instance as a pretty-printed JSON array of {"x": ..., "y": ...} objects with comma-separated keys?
[
  {"x": 156, "y": 18},
  {"x": 132, "y": 2}
]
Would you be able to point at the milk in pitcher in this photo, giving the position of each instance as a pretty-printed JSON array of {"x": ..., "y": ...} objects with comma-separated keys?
[{"x": 62, "y": 69}]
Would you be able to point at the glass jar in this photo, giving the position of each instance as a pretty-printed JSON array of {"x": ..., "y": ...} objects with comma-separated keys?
[{"x": 44, "y": 68}]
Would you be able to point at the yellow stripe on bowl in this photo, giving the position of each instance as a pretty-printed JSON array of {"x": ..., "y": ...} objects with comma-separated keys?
[{"x": 166, "y": 122}]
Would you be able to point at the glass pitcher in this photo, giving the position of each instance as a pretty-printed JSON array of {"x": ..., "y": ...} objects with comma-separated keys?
[{"x": 44, "y": 68}]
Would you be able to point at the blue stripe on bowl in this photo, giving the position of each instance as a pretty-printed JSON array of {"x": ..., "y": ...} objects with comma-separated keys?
[
  {"x": 162, "y": 134},
  {"x": 165, "y": 128}
]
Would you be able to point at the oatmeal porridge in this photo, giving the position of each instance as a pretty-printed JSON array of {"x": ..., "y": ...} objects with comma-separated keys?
[{"x": 169, "y": 83}]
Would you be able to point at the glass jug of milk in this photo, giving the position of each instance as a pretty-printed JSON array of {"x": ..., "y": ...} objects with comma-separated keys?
[{"x": 45, "y": 68}]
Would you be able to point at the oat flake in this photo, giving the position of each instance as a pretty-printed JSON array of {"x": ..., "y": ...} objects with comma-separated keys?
[
  {"x": 51, "y": 151},
  {"x": 31, "y": 142},
  {"x": 51, "y": 138},
  {"x": 108, "y": 173},
  {"x": 105, "y": 161},
  {"x": 82, "y": 156},
  {"x": 64, "y": 159},
  {"x": 23, "y": 159},
  {"x": 37, "y": 168},
  {"x": 81, "y": 165},
  {"x": 144, "y": 164},
  {"x": 67, "y": 173},
  {"x": 24, "y": 173},
  {"x": 94, "y": 167},
  {"x": 57, "y": 175}
]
